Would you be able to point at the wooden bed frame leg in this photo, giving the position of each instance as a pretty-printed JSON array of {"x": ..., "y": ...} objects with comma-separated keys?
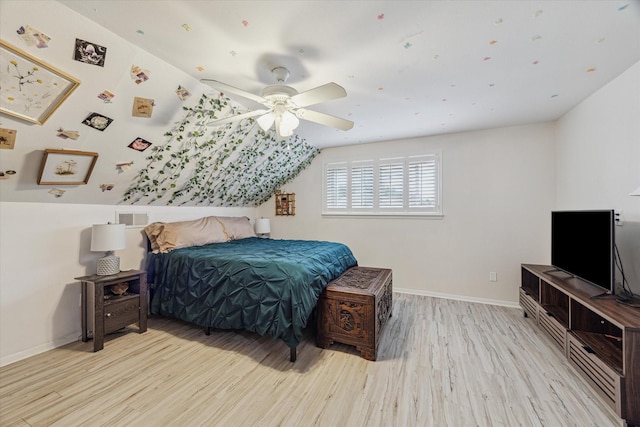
[
  {"x": 207, "y": 330},
  {"x": 292, "y": 354}
]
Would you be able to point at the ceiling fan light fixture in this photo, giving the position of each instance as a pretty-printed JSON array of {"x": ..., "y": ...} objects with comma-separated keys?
[{"x": 266, "y": 121}]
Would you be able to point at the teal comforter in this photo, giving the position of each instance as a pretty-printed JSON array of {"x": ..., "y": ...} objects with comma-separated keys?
[{"x": 262, "y": 285}]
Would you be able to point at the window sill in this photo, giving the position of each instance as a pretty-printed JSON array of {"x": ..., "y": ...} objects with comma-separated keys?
[{"x": 407, "y": 215}]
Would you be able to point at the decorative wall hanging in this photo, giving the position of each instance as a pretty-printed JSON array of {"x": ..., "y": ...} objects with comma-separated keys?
[
  {"x": 90, "y": 53},
  {"x": 32, "y": 37},
  {"x": 97, "y": 121},
  {"x": 8, "y": 138},
  {"x": 285, "y": 203},
  {"x": 142, "y": 107},
  {"x": 139, "y": 144},
  {"x": 66, "y": 167},
  {"x": 31, "y": 90}
]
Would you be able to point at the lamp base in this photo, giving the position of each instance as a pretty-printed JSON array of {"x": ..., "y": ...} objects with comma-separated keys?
[{"x": 108, "y": 265}]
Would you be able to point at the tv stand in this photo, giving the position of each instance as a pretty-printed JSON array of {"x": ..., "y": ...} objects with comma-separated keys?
[{"x": 599, "y": 336}]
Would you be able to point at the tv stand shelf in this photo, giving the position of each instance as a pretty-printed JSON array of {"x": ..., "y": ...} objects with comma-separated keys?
[{"x": 599, "y": 336}]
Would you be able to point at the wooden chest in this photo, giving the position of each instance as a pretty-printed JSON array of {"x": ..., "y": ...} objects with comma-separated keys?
[{"x": 354, "y": 308}]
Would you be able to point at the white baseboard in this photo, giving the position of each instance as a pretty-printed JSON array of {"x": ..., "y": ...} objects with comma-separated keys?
[
  {"x": 511, "y": 304},
  {"x": 16, "y": 357}
]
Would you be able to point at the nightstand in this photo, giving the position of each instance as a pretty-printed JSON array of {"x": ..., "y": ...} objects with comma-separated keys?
[{"x": 112, "y": 312}]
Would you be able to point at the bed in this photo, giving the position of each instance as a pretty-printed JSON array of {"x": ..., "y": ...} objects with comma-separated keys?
[{"x": 266, "y": 286}]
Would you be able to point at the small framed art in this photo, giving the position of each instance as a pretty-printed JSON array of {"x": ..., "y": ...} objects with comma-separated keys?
[
  {"x": 31, "y": 89},
  {"x": 66, "y": 167}
]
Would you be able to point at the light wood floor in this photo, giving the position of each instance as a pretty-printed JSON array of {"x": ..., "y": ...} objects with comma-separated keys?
[{"x": 440, "y": 363}]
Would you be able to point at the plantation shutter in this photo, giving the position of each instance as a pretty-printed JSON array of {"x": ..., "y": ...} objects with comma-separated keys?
[
  {"x": 423, "y": 185},
  {"x": 337, "y": 189},
  {"x": 391, "y": 179},
  {"x": 362, "y": 186}
]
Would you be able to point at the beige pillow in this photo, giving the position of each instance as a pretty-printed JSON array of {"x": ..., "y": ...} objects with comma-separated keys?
[
  {"x": 152, "y": 231},
  {"x": 197, "y": 232},
  {"x": 237, "y": 227}
]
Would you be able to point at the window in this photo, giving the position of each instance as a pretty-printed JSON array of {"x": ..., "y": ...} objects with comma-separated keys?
[{"x": 407, "y": 185}]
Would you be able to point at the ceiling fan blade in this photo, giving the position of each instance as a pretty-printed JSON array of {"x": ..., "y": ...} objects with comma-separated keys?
[
  {"x": 237, "y": 117},
  {"x": 223, "y": 87},
  {"x": 319, "y": 94},
  {"x": 324, "y": 119}
]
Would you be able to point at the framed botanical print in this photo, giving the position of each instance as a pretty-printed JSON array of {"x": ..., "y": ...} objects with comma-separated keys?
[
  {"x": 66, "y": 167},
  {"x": 30, "y": 89}
]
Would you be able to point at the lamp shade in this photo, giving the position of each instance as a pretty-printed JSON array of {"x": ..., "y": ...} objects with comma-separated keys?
[
  {"x": 263, "y": 226},
  {"x": 108, "y": 237},
  {"x": 636, "y": 192}
]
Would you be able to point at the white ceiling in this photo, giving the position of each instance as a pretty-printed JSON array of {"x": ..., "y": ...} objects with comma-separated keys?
[{"x": 410, "y": 68}]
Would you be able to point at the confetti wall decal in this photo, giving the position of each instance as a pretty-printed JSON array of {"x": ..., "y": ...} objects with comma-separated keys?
[
  {"x": 201, "y": 69},
  {"x": 492, "y": 42},
  {"x": 381, "y": 17},
  {"x": 536, "y": 38},
  {"x": 537, "y": 13},
  {"x": 245, "y": 23},
  {"x": 407, "y": 45},
  {"x": 186, "y": 27},
  {"x": 498, "y": 21},
  {"x": 590, "y": 70},
  {"x": 140, "y": 32},
  {"x": 486, "y": 58},
  {"x": 233, "y": 53},
  {"x": 621, "y": 8}
]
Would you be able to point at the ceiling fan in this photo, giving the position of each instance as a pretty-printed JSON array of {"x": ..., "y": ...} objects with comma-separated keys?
[{"x": 284, "y": 105}]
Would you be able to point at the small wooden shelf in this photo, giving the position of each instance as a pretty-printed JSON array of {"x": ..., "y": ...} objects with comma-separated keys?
[{"x": 285, "y": 204}]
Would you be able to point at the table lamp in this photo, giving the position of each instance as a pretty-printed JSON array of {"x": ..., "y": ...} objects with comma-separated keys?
[
  {"x": 108, "y": 238},
  {"x": 263, "y": 227}
]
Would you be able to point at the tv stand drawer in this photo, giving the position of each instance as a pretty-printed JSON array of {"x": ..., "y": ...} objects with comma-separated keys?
[
  {"x": 555, "y": 330},
  {"x": 605, "y": 381}
]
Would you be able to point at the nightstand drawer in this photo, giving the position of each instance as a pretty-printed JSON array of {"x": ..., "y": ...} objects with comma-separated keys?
[{"x": 121, "y": 313}]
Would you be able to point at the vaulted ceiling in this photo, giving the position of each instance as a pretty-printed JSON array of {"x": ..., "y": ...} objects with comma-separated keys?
[{"x": 410, "y": 68}]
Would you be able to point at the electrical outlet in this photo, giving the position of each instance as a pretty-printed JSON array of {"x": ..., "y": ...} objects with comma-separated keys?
[
  {"x": 493, "y": 276},
  {"x": 619, "y": 219}
]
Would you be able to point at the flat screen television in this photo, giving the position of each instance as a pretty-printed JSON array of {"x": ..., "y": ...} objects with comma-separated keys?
[{"x": 583, "y": 245}]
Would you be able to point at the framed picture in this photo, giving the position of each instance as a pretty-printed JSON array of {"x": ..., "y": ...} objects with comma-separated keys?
[
  {"x": 31, "y": 90},
  {"x": 66, "y": 167}
]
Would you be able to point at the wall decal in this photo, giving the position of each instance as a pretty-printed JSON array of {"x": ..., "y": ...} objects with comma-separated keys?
[
  {"x": 90, "y": 53},
  {"x": 32, "y": 37},
  {"x": 182, "y": 93},
  {"x": 57, "y": 192},
  {"x": 123, "y": 167},
  {"x": 8, "y": 138},
  {"x": 7, "y": 174},
  {"x": 106, "y": 96},
  {"x": 139, "y": 144},
  {"x": 31, "y": 90},
  {"x": 245, "y": 23},
  {"x": 139, "y": 75},
  {"x": 236, "y": 164},
  {"x": 106, "y": 187},
  {"x": 142, "y": 107},
  {"x": 97, "y": 121},
  {"x": 68, "y": 134},
  {"x": 186, "y": 27}
]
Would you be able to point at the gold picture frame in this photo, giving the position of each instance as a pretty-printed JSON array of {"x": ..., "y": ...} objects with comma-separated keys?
[
  {"x": 66, "y": 167},
  {"x": 31, "y": 90}
]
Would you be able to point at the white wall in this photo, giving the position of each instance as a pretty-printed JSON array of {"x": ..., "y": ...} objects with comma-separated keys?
[
  {"x": 498, "y": 187},
  {"x": 44, "y": 246},
  {"x": 598, "y": 161}
]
